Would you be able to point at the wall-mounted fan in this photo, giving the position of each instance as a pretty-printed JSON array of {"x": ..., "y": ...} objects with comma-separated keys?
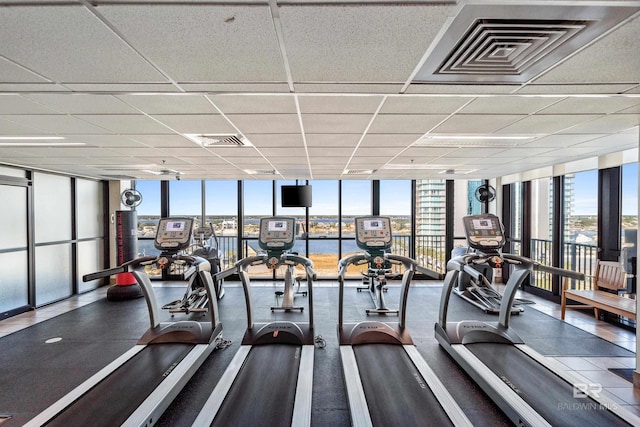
[
  {"x": 485, "y": 193},
  {"x": 131, "y": 198}
]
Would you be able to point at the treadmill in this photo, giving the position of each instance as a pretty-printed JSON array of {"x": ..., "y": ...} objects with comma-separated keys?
[
  {"x": 270, "y": 379},
  {"x": 531, "y": 389},
  {"x": 387, "y": 380},
  {"x": 136, "y": 388}
]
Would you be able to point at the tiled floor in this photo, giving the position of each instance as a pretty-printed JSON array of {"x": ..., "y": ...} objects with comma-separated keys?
[{"x": 594, "y": 370}]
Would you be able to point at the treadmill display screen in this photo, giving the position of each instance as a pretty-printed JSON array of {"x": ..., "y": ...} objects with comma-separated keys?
[
  {"x": 277, "y": 226},
  {"x": 173, "y": 234},
  {"x": 277, "y": 233},
  {"x": 484, "y": 232},
  {"x": 373, "y": 232}
]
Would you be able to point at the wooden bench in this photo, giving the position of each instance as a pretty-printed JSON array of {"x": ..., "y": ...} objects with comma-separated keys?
[{"x": 609, "y": 275}]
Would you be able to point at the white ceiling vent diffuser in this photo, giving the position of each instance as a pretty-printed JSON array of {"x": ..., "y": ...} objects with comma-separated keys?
[
  {"x": 219, "y": 140},
  {"x": 486, "y": 43}
]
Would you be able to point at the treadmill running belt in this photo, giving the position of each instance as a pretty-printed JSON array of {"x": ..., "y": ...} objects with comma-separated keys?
[
  {"x": 115, "y": 398},
  {"x": 548, "y": 394},
  {"x": 264, "y": 390},
  {"x": 396, "y": 393}
]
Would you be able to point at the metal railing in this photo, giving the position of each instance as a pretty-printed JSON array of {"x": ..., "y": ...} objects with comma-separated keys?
[
  {"x": 577, "y": 257},
  {"x": 429, "y": 250}
]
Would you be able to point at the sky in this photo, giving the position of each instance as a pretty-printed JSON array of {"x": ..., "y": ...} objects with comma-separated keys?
[
  {"x": 586, "y": 191},
  {"x": 221, "y": 198},
  {"x": 356, "y": 194}
]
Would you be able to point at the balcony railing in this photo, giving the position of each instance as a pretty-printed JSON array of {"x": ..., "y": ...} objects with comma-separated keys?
[{"x": 577, "y": 257}]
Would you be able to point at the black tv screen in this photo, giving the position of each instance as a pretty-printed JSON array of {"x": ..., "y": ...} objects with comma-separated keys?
[{"x": 296, "y": 196}]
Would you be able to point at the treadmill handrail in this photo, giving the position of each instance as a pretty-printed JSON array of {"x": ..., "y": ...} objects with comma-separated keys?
[{"x": 343, "y": 264}]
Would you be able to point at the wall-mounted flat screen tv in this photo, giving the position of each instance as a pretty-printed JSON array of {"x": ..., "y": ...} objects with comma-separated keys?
[{"x": 296, "y": 196}]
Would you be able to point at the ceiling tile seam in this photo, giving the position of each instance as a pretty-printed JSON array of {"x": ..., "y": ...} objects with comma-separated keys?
[
  {"x": 412, "y": 145},
  {"x": 178, "y": 133},
  {"x": 303, "y": 134},
  {"x": 27, "y": 69},
  {"x": 365, "y": 132},
  {"x": 584, "y": 47},
  {"x": 214, "y": 105},
  {"x": 92, "y": 9},
  {"x": 277, "y": 25},
  {"x": 430, "y": 49}
]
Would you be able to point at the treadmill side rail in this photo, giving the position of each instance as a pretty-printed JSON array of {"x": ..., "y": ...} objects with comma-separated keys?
[
  {"x": 304, "y": 389},
  {"x": 215, "y": 400},
  {"x": 448, "y": 403},
  {"x": 515, "y": 408},
  {"x": 358, "y": 407},
  {"x": 158, "y": 401},
  {"x": 68, "y": 399},
  {"x": 571, "y": 378}
]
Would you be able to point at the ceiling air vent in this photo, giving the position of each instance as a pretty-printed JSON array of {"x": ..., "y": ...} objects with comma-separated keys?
[
  {"x": 219, "y": 140},
  {"x": 358, "y": 171},
  {"x": 262, "y": 172},
  {"x": 489, "y": 43}
]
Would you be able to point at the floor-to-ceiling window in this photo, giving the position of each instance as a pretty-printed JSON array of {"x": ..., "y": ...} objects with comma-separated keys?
[
  {"x": 324, "y": 228},
  {"x": 221, "y": 212},
  {"x": 258, "y": 203},
  {"x": 629, "y": 221},
  {"x": 430, "y": 220},
  {"x": 148, "y": 212},
  {"x": 356, "y": 201},
  {"x": 14, "y": 251},
  {"x": 580, "y": 246},
  {"x": 541, "y": 228}
]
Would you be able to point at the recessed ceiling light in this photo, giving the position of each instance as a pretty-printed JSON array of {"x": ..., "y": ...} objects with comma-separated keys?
[
  {"x": 414, "y": 166},
  {"x": 480, "y": 137}
]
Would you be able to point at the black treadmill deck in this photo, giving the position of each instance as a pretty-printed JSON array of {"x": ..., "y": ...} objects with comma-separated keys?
[
  {"x": 396, "y": 393},
  {"x": 544, "y": 391}
]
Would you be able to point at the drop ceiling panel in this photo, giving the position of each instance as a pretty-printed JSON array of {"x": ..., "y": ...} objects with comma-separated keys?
[
  {"x": 509, "y": 104},
  {"x": 423, "y": 104},
  {"x": 335, "y": 123},
  {"x": 561, "y": 140},
  {"x": 478, "y": 123},
  {"x": 125, "y": 124},
  {"x": 575, "y": 89},
  {"x": 544, "y": 124},
  {"x": 81, "y": 103},
  {"x": 204, "y": 43},
  {"x": 68, "y": 43},
  {"x": 265, "y": 123},
  {"x": 341, "y": 104},
  {"x": 196, "y": 123},
  {"x": 331, "y": 151},
  {"x": 55, "y": 124},
  {"x": 405, "y": 123},
  {"x": 612, "y": 123},
  {"x": 16, "y": 104},
  {"x": 591, "y": 105},
  {"x": 162, "y": 140},
  {"x": 276, "y": 140},
  {"x": 169, "y": 103},
  {"x": 588, "y": 66},
  {"x": 10, "y": 72},
  {"x": 389, "y": 139},
  {"x": 105, "y": 141},
  {"x": 352, "y": 43},
  {"x": 254, "y": 104},
  {"x": 332, "y": 140}
]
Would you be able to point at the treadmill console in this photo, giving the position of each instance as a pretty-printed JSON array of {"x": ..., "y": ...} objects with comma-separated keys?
[
  {"x": 174, "y": 234},
  {"x": 373, "y": 232},
  {"x": 277, "y": 233},
  {"x": 484, "y": 232}
]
